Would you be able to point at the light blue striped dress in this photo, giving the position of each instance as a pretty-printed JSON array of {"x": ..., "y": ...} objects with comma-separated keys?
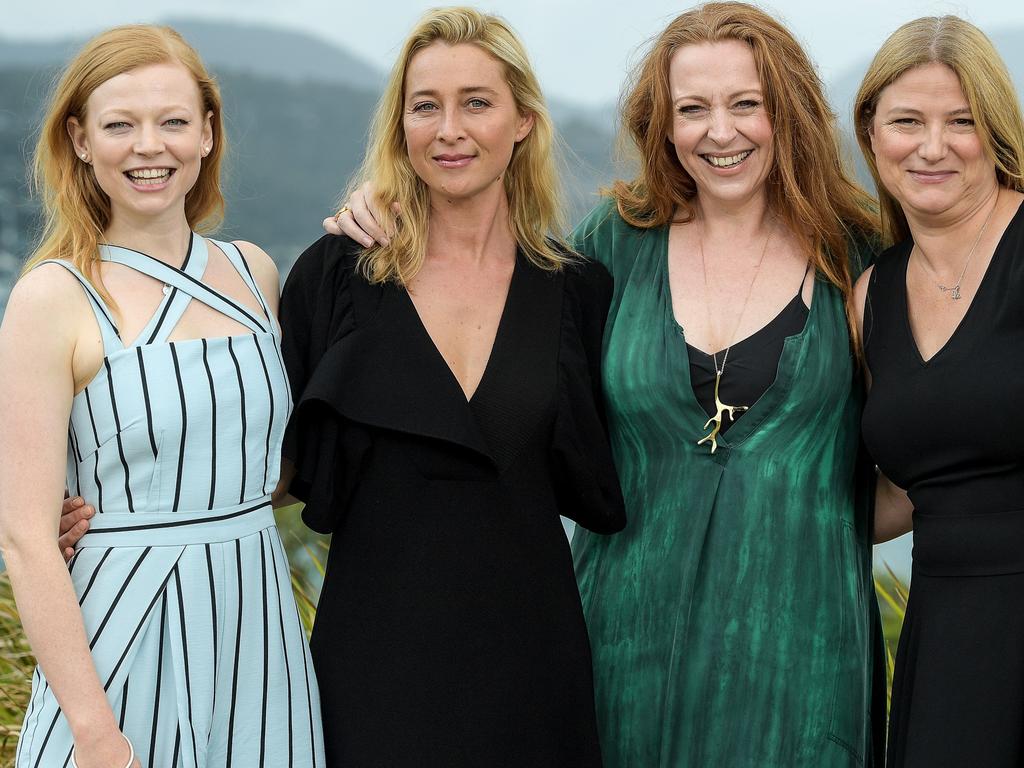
[{"x": 182, "y": 579}]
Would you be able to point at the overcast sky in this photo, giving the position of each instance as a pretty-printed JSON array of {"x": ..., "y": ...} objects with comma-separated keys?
[{"x": 581, "y": 48}]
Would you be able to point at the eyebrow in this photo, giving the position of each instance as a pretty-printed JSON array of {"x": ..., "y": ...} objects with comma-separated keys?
[
  {"x": 467, "y": 89},
  {"x": 125, "y": 111},
  {"x": 735, "y": 95},
  {"x": 913, "y": 111}
]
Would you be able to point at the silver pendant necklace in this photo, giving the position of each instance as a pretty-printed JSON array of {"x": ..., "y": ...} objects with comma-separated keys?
[
  {"x": 954, "y": 290},
  {"x": 721, "y": 408}
]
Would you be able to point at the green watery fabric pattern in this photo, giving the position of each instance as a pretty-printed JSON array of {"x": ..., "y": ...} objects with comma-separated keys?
[{"x": 731, "y": 621}]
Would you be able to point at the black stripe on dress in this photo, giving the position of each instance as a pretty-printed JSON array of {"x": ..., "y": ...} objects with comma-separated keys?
[
  {"x": 213, "y": 608},
  {"x": 270, "y": 421},
  {"x": 309, "y": 693},
  {"x": 124, "y": 706},
  {"x": 238, "y": 654},
  {"x": 145, "y": 397},
  {"x": 184, "y": 428},
  {"x": 92, "y": 579},
  {"x": 117, "y": 598},
  {"x": 117, "y": 434},
  {"x": 241, "y": 395},
  {"x": 213, "y": 426},
  {"x": 163, "y": 316},
  {"x": 266, "y": 651},
  {"x": 96, "y": 439},
  {"x": 159, "y": 681},
  {"x": 74, "y": 462},
  {"x": 284, "y": 649},
  {"x": 135, "y": 634},
  {"x": 184, "y": 654}
]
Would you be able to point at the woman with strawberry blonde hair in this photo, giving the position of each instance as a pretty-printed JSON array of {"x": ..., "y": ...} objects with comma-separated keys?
[{"x": 143, "y": 371}]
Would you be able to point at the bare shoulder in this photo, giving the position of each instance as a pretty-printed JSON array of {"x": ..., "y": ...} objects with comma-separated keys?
[
  {"x": 860, "y": 293},
  {"x": 46, "y": 314},
  {"x": 48, "y": 291},
  {"x": 264, "y": 270}
]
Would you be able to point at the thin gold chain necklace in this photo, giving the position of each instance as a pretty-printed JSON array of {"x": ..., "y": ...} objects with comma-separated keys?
[
  {"x": 954, "y": 290},
  {"x": 724, "y": 408}
]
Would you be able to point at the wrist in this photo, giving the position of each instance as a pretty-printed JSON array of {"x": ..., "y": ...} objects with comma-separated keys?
[{"x": 94, "y": 728}]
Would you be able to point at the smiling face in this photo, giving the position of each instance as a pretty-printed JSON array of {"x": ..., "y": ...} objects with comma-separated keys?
[
  {"x": 145, "y": 134},
  {"x": 720, "y": 129},
  {"x": 927, "y": 150},
  {"x": 461, "y": 120}
]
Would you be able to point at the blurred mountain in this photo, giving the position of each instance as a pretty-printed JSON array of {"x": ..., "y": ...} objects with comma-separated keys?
[{"x": 273, "y": 52}]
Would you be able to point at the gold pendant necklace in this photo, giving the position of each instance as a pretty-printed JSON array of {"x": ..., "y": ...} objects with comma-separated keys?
[{"x": 721, "y": 408}]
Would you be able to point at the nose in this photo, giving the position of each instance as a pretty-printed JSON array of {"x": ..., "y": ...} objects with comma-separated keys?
[
  {"x": 148, "y": 140},
  {"x": 933, "y": 144},
  {"x": 722, "y": 126},
  {"x": 450, "y": 128}
]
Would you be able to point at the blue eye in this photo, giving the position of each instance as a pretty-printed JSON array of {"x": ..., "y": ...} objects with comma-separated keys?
[
  {"x": 116, "y": 125},
  {"x": 424, "y": 106},
  {"x": 178, "y": 122},
  {"x": 748, "y": 104},
  {"x": 477, "y": 103}
]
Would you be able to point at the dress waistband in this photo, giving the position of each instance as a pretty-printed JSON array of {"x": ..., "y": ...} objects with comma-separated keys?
[
  {"x": 208, "y": 526},
  {"x": 978, "y": 544}
]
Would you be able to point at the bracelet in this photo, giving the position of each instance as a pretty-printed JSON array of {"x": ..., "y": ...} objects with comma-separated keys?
[{"x": 131, "y": 754}]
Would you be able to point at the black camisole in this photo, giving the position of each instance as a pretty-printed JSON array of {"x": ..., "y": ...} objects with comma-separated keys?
[{"x": 752, "y": 364}]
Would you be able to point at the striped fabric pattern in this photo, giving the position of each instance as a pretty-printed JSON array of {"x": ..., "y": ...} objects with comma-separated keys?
[{"x": 182, "y": 579}]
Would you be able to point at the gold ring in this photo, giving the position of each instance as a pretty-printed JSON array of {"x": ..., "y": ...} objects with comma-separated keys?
[{"x": 344, "y": 209}]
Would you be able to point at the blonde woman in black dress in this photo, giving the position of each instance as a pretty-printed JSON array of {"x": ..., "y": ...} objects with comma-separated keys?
[{"x": 943, "y": 328}]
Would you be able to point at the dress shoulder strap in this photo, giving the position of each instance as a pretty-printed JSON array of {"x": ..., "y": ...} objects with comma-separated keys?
[
  {"x": 104, "y": 317},
  {"x": 234, "y": 255},
  {"x": 185, "y": 283}
]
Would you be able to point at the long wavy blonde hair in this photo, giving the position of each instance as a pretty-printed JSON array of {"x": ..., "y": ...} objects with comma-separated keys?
[
  {"x": 76, "y": 211},
  {"x": 531, "y": 180},
  {"x": 986, "y": 84},
  {"x": 809, "y": 186}
]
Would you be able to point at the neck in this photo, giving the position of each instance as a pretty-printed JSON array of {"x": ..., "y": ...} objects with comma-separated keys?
[
  {"x": 473, "y": 229},
  {"x": 943, "y": 240},
  {"x": 749, "y": 221},
  {"x": 165, "y": 239}
]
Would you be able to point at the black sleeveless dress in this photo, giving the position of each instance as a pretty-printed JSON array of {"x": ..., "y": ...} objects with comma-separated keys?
[{"x": 951, "y": 431}]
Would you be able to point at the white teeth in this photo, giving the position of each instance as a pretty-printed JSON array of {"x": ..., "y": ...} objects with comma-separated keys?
[
  {"x": 726, "y": 162},
  {"x": 149, "y": 175}
]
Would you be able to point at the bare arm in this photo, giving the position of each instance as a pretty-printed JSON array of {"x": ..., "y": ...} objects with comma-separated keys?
[
  {"x": 893, "y": 509},
  {"x": 37, "y": 382}
]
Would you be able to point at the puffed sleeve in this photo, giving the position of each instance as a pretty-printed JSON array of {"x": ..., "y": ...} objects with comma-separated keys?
[
  {"x": 316, "y": 317},
  {"x": 584, "y": 474}
]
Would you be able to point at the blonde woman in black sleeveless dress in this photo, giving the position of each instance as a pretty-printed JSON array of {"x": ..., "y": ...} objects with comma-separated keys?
[{"x": 943, "y": 327}]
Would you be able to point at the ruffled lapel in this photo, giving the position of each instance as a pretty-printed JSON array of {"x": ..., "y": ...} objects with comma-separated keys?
[{"x": 387, "y": 374}]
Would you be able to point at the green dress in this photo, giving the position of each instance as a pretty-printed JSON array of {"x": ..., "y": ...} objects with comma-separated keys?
[{"x": 732, "y": 621}]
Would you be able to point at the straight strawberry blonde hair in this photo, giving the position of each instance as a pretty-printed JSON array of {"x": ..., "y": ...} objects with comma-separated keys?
[{"x": 76, "y": 211}]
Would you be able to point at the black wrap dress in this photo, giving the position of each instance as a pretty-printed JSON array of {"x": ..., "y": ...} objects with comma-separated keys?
[
  {"x": 449, "y": 630},
  {"x": 950, "y": 430}
]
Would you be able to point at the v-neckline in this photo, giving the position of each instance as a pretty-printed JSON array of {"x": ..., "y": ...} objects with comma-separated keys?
[
  {"x": 905, "y": 297},
  {"x": 752, "y": 417},
  {"x": 498, "y": 334}
]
